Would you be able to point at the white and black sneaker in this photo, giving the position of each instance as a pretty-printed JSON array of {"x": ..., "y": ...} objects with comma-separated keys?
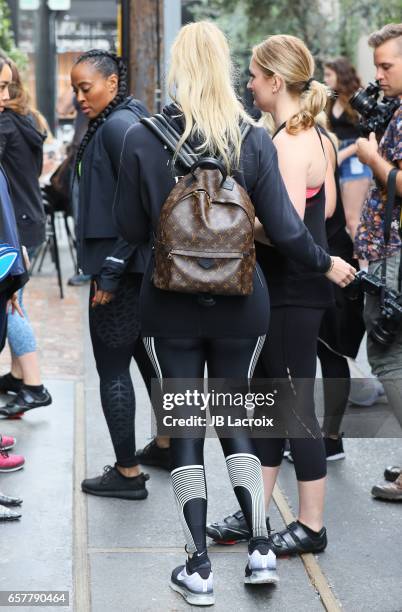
[
  {"x": 334, "y": 449},
  {"x": 194, "y": 580},
  {"x": 261, "y": 566}
]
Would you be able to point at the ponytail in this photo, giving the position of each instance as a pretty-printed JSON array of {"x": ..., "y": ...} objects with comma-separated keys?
[{"x": 313, "y": 100}]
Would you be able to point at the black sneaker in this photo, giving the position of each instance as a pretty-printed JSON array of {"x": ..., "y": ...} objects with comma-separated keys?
[
  {"x": 153, "y": 455},
  {"x": 231, "y": 530},
  {"x": 194, "y": 580},
  {"x": 113, "y": 484},
  {"x": 10, "y": 384},
  {"x": 261, "y": 566},
  {"x": 25, "y": 400},
  {"x": 334, "y": 449}
]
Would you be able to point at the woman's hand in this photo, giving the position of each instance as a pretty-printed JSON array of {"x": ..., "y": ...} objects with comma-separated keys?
[
  {"x": 15, "y": 305},
  {"x": 340, "y": 272},
  {"x": 101, "y": 298}
]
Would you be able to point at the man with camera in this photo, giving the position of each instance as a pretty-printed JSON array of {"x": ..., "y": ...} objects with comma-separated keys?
[{"x": 378, "y": 237}]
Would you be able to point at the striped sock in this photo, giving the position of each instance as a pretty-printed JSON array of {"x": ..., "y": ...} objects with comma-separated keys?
[
  {"x": 190, "y": 491},
  {"x": 246, "y": 477}
]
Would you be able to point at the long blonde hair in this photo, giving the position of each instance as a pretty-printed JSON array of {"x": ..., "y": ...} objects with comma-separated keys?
[
  {"x": 289, "y": 57},
  {"x": 201, "y": 82}
]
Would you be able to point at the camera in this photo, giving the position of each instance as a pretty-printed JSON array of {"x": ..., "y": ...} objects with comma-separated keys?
[
  {"x": 387, "y": 325},
  {"x": 375, "y": 115}
]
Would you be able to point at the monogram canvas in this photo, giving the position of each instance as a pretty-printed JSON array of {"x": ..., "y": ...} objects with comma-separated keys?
[{"x": 205, "y": 237}]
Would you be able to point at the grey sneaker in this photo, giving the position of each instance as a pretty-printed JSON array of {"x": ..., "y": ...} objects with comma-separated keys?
[
  {"x": 194, "y": 580},
  {"x": 391, "y": 491},
  {"x": 261, "y": 566}
]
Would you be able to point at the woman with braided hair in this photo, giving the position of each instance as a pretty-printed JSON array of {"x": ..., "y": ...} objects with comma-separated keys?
[{"x": 99, "y": 82}]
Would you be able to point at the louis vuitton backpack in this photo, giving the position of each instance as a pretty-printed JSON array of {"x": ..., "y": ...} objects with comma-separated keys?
[{"x": 205, "y": 237}]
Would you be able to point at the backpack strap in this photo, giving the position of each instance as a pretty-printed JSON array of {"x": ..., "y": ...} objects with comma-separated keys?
[{"x": 165, "y": 131}]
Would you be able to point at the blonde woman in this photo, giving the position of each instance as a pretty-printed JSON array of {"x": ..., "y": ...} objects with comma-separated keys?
[
  {"x": 184, "y": 332},
  {"x": 282, "y": 83}
]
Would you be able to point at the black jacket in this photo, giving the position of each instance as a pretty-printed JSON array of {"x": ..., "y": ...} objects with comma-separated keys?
[
  {"x": 21, "y": 153},
  {"x": 145, "y": 180},
  {"x": 9, "y": 235},
  {"x": 101, "y": 251}
]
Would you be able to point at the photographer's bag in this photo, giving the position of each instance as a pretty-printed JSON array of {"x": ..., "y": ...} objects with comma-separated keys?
[{"x": 205, "y": 237}]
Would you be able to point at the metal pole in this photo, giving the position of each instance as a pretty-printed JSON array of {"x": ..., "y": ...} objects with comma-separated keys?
[
  {"x": 124, "y": 33},
  {"x": 46, "y": 63}
]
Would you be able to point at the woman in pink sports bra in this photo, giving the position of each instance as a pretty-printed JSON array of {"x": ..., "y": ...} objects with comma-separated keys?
[{"x": 282, "y": 83}]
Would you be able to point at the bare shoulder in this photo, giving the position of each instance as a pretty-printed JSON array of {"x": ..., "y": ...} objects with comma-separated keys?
[
  {"x": 292, "y": 147},
  {"x": 296, "y": 142}
]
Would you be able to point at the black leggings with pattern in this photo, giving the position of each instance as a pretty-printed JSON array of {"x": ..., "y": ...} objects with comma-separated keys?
[{"x": 115, "y": 336}]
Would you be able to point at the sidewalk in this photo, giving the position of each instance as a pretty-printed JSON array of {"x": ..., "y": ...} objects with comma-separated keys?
[{"x": 117, "y": 555}]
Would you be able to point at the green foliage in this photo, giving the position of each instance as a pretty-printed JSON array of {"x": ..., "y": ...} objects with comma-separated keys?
[
  {"x": 7, "y": 44},
  {"x": 328, "y": 28},
  {"x": 6, "y": 35}
]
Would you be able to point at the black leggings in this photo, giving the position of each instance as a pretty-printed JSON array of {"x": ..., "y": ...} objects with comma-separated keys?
[
  {"x": 232, "y": 358},
  {"x": 290, "y": 352},
  {"x": 336, "y": 381},
  {"x": 115, "y": 336}
]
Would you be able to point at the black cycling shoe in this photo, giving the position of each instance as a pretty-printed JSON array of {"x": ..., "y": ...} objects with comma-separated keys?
[
  {"x": 26, "y": 399},
  {"x": 231, "y": 530},
  {"x": 392, "y": 472},
  {"x": 10, "y": 384},
  {"x": 153, "y": 455},
  {"x": 113, "y": 484},
  {"x": 295, "y": 540}
]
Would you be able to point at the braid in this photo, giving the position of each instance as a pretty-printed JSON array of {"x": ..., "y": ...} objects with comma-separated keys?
[{"x": 106, "y": 63}]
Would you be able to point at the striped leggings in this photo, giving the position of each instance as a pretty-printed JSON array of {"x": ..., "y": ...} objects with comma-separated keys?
[{"x": 234, "y": 358}]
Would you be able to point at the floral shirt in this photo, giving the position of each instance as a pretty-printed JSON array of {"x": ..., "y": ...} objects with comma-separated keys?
[{"x": 369, "y": 242}]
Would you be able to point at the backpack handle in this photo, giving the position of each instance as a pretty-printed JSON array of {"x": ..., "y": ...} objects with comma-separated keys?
[{"x": 212, "y": 164}]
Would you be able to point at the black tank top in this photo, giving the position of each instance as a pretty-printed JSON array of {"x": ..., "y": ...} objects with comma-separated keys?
[
  {"x": 344, "y": 127},
  {"x": 291, "y": 283}
]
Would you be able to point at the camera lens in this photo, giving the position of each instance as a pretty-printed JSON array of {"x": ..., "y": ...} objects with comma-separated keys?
[
  {"x": 384, "y": 331},
  {"x": 363, "y": 103}
]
